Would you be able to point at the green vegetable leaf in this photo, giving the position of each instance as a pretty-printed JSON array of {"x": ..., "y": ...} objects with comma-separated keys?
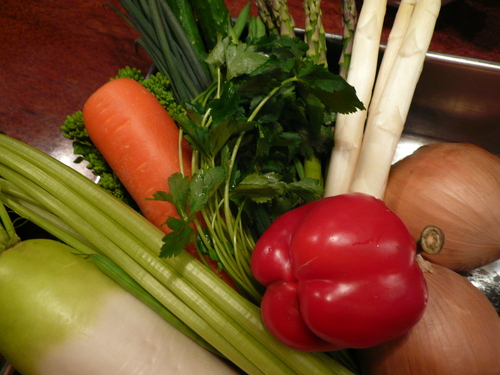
[
  {"x": 196, "y": 134},
  {"x": 202, "y": 238},
  {"x": 308, "y": 189},
  {"x": 178, "y": 195},
  {"x": 243, "y": 59},
  {"x": 260, "y": 187},
  {"x": 283, "y": 47},
  {"x": 226, "y": 105},
  {"x": 217, "y": 57},
  {"x": 204, "y": 183},
  {"x": 176, "y": 241},
  {"x": 228, "y": 128},
  {"x": 330, "y": 88},
  {"x": 257, "y": 86}
]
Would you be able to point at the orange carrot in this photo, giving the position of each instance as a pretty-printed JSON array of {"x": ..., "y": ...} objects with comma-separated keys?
[{"x": 140, "y": 142}]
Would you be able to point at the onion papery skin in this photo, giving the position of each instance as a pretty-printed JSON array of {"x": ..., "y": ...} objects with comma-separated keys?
[
  {"x": 456, "y": 187},
  {"x": 459, "y": 334}
]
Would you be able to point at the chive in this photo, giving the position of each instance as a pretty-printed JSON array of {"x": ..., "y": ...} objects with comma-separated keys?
[
  {"x": 185, "y": 51},
  {"x": 165, "y": 41},
  {"x": 215, "y": 20},
  {"x": 184, "y": 13}
]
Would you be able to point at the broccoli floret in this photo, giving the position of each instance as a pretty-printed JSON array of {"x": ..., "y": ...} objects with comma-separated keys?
[
  {"x": 74, "y": 129},
  {"x": 161, "y": 88},
  {"x": 129, "y": 72}
]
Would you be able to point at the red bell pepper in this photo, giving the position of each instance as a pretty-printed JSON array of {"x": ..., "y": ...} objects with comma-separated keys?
[{"x": 340, "y": 273}]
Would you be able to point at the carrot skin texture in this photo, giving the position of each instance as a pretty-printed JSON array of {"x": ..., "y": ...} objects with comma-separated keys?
[{"x": 140, "y": 142}]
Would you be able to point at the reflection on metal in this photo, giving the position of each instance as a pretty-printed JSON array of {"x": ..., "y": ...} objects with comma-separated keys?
[{"x": 487, "y": 279}]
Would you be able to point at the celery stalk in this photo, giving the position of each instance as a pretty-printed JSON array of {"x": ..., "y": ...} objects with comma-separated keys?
[
  {"x": 183, "y": 285},
  {"x": 106, "y": 245}
]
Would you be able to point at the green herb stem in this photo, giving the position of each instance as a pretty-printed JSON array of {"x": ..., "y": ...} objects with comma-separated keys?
[{"x": 8, "y": 236}]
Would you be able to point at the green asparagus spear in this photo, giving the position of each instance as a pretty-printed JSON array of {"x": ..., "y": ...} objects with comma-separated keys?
[{"x": 315, "y": 32}]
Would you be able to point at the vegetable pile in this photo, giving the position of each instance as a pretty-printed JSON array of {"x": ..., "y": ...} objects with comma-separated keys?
[
  {"x": 86, "y": 217},
  {"x": 223, "y": 158}
]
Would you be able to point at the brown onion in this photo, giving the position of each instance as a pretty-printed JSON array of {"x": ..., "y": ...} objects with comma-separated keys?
[
  {"x": 455, "y": 186},
  {"x": 459, "y": 334}
]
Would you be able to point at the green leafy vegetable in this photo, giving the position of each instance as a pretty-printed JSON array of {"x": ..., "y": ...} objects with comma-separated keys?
[{"x": 266, "y": 117}]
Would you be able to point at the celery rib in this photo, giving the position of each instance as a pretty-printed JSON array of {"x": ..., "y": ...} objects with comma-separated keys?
[
  {"x": 137, "y": 271},
  {"x": 193, "y": 293}
]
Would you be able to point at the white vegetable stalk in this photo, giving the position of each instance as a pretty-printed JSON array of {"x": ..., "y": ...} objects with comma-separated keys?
[
  {"x": 394, "y": 42},
  {"x": 361, "y": 75},
  {"x": 387, "y": 120},
  {"x": 60, "y": 315}
]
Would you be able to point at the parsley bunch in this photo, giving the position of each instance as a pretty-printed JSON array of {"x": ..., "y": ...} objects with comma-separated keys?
[{"x": 254, "y": 132}]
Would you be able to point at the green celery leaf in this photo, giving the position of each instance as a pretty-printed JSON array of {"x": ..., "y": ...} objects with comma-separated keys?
[
  {"x": 259, "y": 85},
  {"x": 308, "y": 189},
  {"x": 225, "y": 106},
  {"x": 226, "y": 129},
  {"x": 196, "y": 135},
  {"x": 314, "y": 112},
  {"x": 225, "y": 161},
  {"x": 259, "y": 216},
  {"x": 283, "y": 48},
  {"x": 217, "y": 56},
  {"x": 178, "y": 195},
  {"x": 200, "y": 245}
]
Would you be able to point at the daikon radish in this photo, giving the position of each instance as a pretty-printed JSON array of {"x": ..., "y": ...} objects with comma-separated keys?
[{"x": 60, "y": 315}]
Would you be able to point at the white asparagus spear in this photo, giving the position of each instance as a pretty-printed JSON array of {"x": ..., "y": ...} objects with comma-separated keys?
[
  {"x": 385, "y": 127},
  {"x": 394, "y": 42},
  {"x": 361, "y": 74}
]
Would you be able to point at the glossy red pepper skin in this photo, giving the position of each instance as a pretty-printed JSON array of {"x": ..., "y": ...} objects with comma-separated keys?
[{"x": 340, "y": 272}]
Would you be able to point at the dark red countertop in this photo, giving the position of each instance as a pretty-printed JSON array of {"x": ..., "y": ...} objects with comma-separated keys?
[{"x": 54, "y": 54}]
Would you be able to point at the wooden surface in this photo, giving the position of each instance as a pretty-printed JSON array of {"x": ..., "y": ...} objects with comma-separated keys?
[{"x": 55, "y": 53}]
